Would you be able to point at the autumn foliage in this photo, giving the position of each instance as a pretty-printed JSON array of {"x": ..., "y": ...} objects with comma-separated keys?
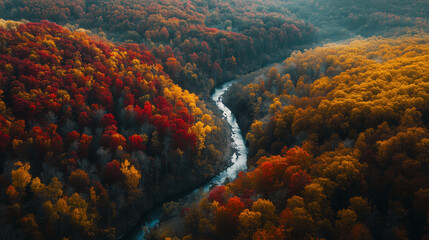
[
  {"x": 341, "y": 152},
  {"x": 200, "y": 43},
  {"x": 89, "y": 129}
]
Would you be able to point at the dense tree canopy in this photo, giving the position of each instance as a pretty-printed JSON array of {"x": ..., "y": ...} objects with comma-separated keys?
[
  {"x": 342, "y": 19},
  {"x": 339, "y": 150},
  {"x": 89, "y": 129},
  {"x": 201, "y": 43},
  {"x": 104, "y": 112}
]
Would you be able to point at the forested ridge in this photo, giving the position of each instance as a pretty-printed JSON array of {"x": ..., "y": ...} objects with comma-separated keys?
[
  {"x": 91, "y": 132},
  {"x": 338, "y": 147},
  {"x": 342, "y": 19},
  {"x": 201, "y": 43}
]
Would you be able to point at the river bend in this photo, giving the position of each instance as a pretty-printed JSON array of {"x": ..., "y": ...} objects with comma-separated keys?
[{"x": 238, "y": 160}]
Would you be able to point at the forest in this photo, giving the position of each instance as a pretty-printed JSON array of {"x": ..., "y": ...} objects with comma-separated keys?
[
  {"x": 122, "y": 119},
  {"x": 341, "y": 151},
  {"x": 342, "y": 19},
  {"x": 91, "y": 131},
  {"x": 201, "y": 43}
]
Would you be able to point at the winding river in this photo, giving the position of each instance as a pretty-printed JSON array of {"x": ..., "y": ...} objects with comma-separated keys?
[{"x": 238, "y": 159}]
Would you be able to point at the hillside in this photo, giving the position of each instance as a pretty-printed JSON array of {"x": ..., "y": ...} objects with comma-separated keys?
[
  {"x": 93, "y": 133},
  {"x": 338, "y": 144},
  {"x": 201, "y": 43},
  {"x": 342, "y": 19}
]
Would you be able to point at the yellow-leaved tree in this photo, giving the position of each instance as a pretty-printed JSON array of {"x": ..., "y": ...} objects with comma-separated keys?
[
  {"x": 21, "y": 177},
  {"x": 132, "y": 178}
]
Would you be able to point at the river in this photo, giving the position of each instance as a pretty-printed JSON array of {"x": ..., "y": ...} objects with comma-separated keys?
[{"x": 238, "y": 159}]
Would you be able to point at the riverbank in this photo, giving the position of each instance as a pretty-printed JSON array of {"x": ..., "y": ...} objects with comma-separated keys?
[
  {"x": 240, "y": 111},
  {"x": 130, "y": 221},
  {"x": 238, "y": 159}
]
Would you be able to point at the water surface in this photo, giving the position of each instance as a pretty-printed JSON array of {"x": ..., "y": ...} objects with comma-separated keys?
[{"x": 238, "y": 160}]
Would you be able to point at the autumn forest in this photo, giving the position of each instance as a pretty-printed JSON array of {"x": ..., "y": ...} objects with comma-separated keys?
[{"x": 217, "y": 119}]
